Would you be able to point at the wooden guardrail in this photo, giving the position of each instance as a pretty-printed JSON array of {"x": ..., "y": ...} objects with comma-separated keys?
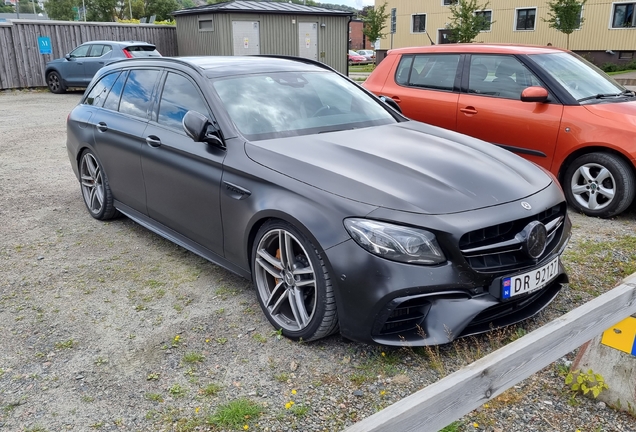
[
  {"x": 454, "y": 396},
  {"x": 22, "y": 65}
]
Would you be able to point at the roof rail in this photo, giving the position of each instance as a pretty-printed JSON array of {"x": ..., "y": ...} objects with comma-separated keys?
[
  {"x": 300, "y": 60},
  {"x": 170, "y": 59}
]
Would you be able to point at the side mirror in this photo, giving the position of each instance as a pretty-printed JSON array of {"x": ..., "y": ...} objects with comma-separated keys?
[
  {"x": 390, "y": 102},
  {"x": 196, "y": 126},
  {"x": 67, "y": 56},
  {"x": 534, "y": 94}
]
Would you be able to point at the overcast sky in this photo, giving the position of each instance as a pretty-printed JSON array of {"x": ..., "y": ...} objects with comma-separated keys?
[{"x": 359, "y": 4}]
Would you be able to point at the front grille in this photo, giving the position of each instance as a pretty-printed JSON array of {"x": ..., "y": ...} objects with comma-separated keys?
[
  {"x": 495, "y": 248},
  {"x": 406, "y": 316}
]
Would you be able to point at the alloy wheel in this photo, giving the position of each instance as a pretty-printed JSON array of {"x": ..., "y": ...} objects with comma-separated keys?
[
  {"x": 92, "y": 183},
  {"x": 593, "y": 186},
  {"x": 54, "y": 83},
  {"x": 286, "y": 280}
]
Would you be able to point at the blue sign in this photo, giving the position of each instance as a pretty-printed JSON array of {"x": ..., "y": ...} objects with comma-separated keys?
[{"x": 44, "y": 42}]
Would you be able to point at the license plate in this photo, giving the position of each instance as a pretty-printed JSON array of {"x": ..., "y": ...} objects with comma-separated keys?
[{"x": 529, "y": 281}]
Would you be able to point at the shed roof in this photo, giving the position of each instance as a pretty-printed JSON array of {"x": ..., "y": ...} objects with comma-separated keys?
[{"x": 244, "y": 6}]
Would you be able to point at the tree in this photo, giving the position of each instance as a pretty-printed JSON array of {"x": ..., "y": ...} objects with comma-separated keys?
[
  {"x": 465, "y": 23},
  {"x": 375, "y": 22},
  {"x": 60, "y": 9},
  {"x": 565, "y": 16}
]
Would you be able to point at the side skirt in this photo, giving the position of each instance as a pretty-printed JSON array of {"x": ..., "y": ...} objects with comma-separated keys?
[{"x": 181, "y": 240}]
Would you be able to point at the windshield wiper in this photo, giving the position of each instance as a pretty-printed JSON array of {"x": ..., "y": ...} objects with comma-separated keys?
[
  {"x": 630, "y": 93},
  {"x": 602, "y": 96}
]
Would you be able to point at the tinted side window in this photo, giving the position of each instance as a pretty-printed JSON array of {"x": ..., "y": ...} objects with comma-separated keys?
[
  {"x": 434, "y": 71},
  {"x": 112, "y": 100},
  {"x": 100, "y": 90},
  {"x": 500, "y": 76},
  {"x": 179, "y": 96},
  {"x": 136, "y": 97},
  {"x": 404, "y": 68},
  {"x": 96, "y": 51},
  {"x": 80, "y": 51}
]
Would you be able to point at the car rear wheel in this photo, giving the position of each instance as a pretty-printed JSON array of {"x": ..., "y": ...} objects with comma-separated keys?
[
  {"x": 54, "y": 81},
  {"x": 599, "y": 184},
  {"x": 95, "y": 189},
  {"x": 293, "y": 284}
]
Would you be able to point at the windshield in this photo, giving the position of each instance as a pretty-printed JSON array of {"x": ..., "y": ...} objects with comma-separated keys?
[
  {"x": 580, "y": 78},
  {"x": 284, "y": 104}
]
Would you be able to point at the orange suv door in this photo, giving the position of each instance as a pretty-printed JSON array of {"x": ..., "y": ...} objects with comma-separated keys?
[
  {"x": 492, "y": 109},
  {"x": 426, "y": 87}
]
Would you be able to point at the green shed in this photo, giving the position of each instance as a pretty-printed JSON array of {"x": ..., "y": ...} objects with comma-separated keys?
[{"x": 250, "y": 27}]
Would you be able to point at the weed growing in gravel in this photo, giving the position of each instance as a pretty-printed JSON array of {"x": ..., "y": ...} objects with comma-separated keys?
[
  {"x": 65, "y": 344},
  {"x": 87, "y": 399},
  {"x": 211, "y": 389},
  {"x": 155, "y": 397},
  {"x": 235, "y": 413},
  {"x": 281, "y": 377},
  {"x": 177, "y": 391},
  {"x": 225, "y": 292},
  {"x": 259, "y": 338},
  {"x": 36, "y": 429},
  {"x": 611, "y": 260},
  {"x": 453, "y": 427},
  {"x": 152, "y": 376},
  {"x": 221, "y": 340},
  {"x": 193, "y": 357}
]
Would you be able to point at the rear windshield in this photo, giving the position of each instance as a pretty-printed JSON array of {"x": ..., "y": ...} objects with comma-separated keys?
[{"x": 143, "y": 51}]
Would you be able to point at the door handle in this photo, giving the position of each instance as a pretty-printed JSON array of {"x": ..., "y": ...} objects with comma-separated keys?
[
  {"x": 102, "y": 127},
  {"x": 153, "y": 141},
  {"x": 468, "y": 110},
  {"x": 101, "y": 62},
  {"x": 396, "y": 99}
]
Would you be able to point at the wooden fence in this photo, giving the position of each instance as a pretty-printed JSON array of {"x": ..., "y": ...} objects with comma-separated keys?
[
  {"x": 445, "y": 401},
  {"x": 22, "y": 65}
]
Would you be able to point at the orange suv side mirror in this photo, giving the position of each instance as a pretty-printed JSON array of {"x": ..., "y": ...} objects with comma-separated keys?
[{"x": 534, "y": 94}]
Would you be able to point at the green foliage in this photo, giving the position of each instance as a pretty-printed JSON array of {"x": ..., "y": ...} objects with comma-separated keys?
[
  {"x": 586, "y": 382},
  {"x": 235, "y": 413},
  {"x": 613, "y": 67},
  {"x": 453, "y": 427},
  {"x": 374, "y": 22},
  {"x": 565, "y": 16},
  {"x": 465, "y": 24}
]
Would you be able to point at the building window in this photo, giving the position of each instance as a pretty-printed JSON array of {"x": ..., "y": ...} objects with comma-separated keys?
[
  {"x": 487, "y": 14},
  {"x": 206, "y": 25},
  {"x": 449, "y": 2},
  {"x": 623, "y": 15},
  {"x": 419, "y": 23},
  {"x": 525, "y": 19},
  {"x": 625, "y": 55}
]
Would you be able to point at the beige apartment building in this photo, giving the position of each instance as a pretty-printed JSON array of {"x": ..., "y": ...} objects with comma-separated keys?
[{"x": 608, "y": 32}]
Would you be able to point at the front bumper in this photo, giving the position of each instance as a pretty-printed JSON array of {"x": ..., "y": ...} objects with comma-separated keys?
[{"x": 391, "y": 303}]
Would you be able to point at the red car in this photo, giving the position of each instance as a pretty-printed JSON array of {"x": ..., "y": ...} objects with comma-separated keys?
[
  {"x": 546, "y": 104},
  {"x": 355, "y": 58}
]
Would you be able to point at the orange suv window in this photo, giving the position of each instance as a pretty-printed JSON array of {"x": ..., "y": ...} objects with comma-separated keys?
[
  {"x": 499, "y": 76},
  {"x": 430, "y": 71}
]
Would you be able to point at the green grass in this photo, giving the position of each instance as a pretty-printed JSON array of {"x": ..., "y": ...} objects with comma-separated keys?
[
  {"x": 620, "y": 72},
  {"x": 155, "y": 397},
  {"x": 453, "y": 427},
  {"x": 234, "y": 414},
  {"x": 211, "y": 389},
  {"x": 193, "y": 357},
  {"x": 361, "y": 68},
  {"x": 596, "y": 266}
]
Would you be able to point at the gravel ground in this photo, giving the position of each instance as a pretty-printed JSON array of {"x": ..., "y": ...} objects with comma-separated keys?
[{"x": 106, "y": 326}]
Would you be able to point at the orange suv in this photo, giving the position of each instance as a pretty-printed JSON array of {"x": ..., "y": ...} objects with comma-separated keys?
[{"x": 548, "y": 105}]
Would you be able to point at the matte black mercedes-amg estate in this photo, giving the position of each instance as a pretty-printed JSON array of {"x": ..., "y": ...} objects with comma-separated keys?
[{"x": 346, "y": 215}]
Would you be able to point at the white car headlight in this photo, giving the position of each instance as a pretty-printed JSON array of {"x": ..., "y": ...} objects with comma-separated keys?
[{"x": 395, "y": 242}]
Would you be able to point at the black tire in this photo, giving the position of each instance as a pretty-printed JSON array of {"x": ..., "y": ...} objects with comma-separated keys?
[
  {"x": 599, "y": 184},
  {"x": 95, "y": 188},
  {"x": 55, "y": 83},
  {"x": 278, "y": 280}
]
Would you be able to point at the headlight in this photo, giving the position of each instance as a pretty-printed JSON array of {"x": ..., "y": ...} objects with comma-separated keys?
[{"x": 394, "y": 242}]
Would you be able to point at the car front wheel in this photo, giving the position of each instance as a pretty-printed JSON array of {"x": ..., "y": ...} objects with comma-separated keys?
[
  {"x": 54, "y": 81},
  {"x": 95, "y": 189},
  {"x": 294, "y": 287},
  {"x": 599, "y": 184}
]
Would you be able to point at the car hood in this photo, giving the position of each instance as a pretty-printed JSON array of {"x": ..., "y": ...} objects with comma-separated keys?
[
  {"x": 407, "y": 166},
  {"x": 622, "y": 112}
]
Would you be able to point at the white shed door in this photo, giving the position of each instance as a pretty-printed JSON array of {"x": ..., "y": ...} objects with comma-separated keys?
[
  {"x": 246, "y": 37},
  {"x": 308, "y": 40}
]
